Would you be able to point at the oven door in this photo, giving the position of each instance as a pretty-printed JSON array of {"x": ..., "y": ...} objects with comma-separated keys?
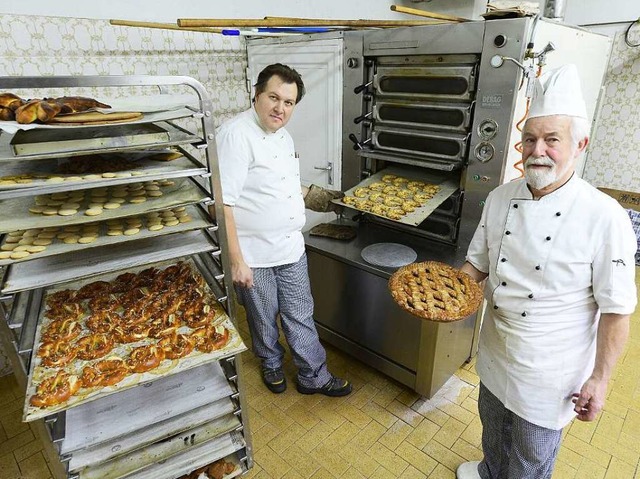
[
  {"x": 423, "y": 115},
  {"x": 432, "y": 82},
  {"x": 444, "y": 146}
]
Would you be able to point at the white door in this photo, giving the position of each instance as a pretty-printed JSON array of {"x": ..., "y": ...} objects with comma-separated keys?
[{"x": 316, "y": 124}]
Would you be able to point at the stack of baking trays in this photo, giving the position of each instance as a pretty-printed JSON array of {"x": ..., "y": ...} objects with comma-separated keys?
[{"x": 115, "y": 290}]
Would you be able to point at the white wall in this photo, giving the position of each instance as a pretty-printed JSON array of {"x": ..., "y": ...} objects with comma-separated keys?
[
  {"x": 596, "y": 12},
  {"x": 170, "y": 10}
]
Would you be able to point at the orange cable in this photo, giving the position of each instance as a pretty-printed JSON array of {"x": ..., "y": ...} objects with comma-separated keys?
[{"x": 518, "y": 165}]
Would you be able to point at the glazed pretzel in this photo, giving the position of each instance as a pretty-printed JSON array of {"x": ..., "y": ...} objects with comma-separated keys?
[
  {"x": 145, "y": 358},
  {"x": 56, "y": 354},
  {"x": 210, "y": 338},
  {"x": 103, "y": 322},
  {"x": 435, "y": 291},
  {"x": 107, "y": 372},
  {"x": 61, "y": 330},
  {"x": 55, "y": 390},
  {"x": 177, "y": 345},
  {"x": 94, "y": 346}
]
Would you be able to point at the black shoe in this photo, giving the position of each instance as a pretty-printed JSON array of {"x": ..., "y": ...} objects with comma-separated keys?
[
  {"x": 335, "y": 387},
  {"x": 274, "y": 380}
]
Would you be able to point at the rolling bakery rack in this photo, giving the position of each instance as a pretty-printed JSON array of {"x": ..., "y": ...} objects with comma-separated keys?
[{"x": 187, "y": 412}]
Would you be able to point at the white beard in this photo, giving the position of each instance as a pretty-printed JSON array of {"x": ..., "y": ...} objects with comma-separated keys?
[{"x": 539, "y": 179}]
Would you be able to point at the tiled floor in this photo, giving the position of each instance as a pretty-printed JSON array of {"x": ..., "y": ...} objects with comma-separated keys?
[{"x": 383, "y": 429}]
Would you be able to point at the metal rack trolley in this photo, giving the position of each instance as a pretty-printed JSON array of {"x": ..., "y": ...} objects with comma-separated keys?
[{"x": 22, "y": 284}]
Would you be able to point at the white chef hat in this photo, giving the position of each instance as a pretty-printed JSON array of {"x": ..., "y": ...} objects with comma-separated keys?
[{"x": 558, "y": 92}]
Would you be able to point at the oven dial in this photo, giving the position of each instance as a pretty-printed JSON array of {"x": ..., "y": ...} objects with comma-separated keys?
[
  {"x": 484, "y": 152},
  {"x": 487, "y": 129}
]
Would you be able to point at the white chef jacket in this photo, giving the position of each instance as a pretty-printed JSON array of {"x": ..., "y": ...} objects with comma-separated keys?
[
  {"x": 554, "y": 265},
  {"x": 260, "y": 179}
]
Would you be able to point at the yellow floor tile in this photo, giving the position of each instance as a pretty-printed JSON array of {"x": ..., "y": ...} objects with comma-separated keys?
[
  {"x": 395, "y": 435},
  {"x": 450, "y": 432},
  {"x": 269, "y": 461},
  {"x": 619, "y": 470}
]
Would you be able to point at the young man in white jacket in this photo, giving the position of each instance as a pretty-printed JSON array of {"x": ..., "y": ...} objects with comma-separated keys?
[{"x": 264, "y": 206}]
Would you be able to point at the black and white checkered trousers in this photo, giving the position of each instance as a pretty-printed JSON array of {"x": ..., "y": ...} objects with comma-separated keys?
[
  {"x": 285, "y": 290},
  {"x": 514, "y": 448}
]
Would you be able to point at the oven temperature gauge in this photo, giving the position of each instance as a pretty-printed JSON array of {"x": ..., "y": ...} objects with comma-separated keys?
[
  {"x": 487, "y": 129},
  {"x": 484, "y": 152}
]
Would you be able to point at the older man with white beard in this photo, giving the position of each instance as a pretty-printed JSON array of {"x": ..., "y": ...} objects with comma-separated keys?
[{"x": 558, "y": 256}]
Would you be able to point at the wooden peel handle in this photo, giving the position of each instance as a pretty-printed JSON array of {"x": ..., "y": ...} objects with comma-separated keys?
[
  {"x": 424, "y": 13},
  {"x": 164, "y": 26},
  {"x": 296, "y": 22}
]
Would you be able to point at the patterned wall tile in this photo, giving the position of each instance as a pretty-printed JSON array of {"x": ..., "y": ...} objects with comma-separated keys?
[{"x": 614, "y": 157}]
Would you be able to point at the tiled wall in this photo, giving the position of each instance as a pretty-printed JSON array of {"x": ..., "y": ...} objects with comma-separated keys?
[
  {"x": 614, "y": 159},
  {"x": 73, "y": 46}
]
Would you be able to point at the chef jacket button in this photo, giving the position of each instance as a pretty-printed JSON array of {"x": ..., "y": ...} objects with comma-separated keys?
[
  {"x": 548, "y": 238},
  {"x": 283, "y": 178},
  {"x": 507, "y": 232},
  {"x": 538, "y": 267},
  {"x": 524, "y": 313},
  {"x": 516, "y": 205},
  {"x": 290, "y": 217},
  {"x": 504, "y": 283},
  {"x": 495, "y": 307},
  {"x": 504, "y": 260},
  {"x": 530, "y": 296},
  {"x": 558, "y": 213},
  {"x": 289, "y": 196}
]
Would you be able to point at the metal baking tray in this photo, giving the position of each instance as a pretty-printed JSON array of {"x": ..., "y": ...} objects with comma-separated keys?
[
  {"x": 99, "y": 422},
  {"x": 448, "y": 186},
  {"x": 144, "y": 169},
  {"x": 137, "y": 460},
  {"x": 65, "y": 141},
  {"x": 51, "y": 270},
  {"x": 147, "y": 117},
  {"x": 199, "y": 219},
  {"x": 166, "y": 368},
  {"x": 194, "y": 457},
  {"x": 147, "y": 435},
  {"x": 15, "y": 215}
]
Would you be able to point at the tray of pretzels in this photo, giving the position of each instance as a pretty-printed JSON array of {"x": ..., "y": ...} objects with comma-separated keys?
[
  {"x": 435, "y": 291},
  {"x": 404, "y": 195},
  {"x": 112, "y": 332},
  {"x": 64, "y": 110}
]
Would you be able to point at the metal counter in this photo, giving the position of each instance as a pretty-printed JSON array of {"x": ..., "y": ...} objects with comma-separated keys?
[{"x": 355, "y": 312}]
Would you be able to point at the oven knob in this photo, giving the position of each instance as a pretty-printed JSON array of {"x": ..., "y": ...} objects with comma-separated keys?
[
  {"x": 352, "y": 62},
  {"x": 484, "y": 152},
  {"x": 487, "y": 129},
  {"x": 500, "y": 41}
]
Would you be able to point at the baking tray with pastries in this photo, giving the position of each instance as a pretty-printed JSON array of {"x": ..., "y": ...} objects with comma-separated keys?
[
  {"x": 224, "y": 468},
  {"x": 33, "y": 243},
  {"x": 113, "y": 332},
  {"x": 62, "y": 110},
  {"x": 73, "y": 207},
  {"x": 404, "y": 195},
  {"x": 98, "y": 169}
]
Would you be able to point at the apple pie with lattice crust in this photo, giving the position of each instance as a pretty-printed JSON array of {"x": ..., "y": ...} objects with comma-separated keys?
[{"x": 435, "y": 291}]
